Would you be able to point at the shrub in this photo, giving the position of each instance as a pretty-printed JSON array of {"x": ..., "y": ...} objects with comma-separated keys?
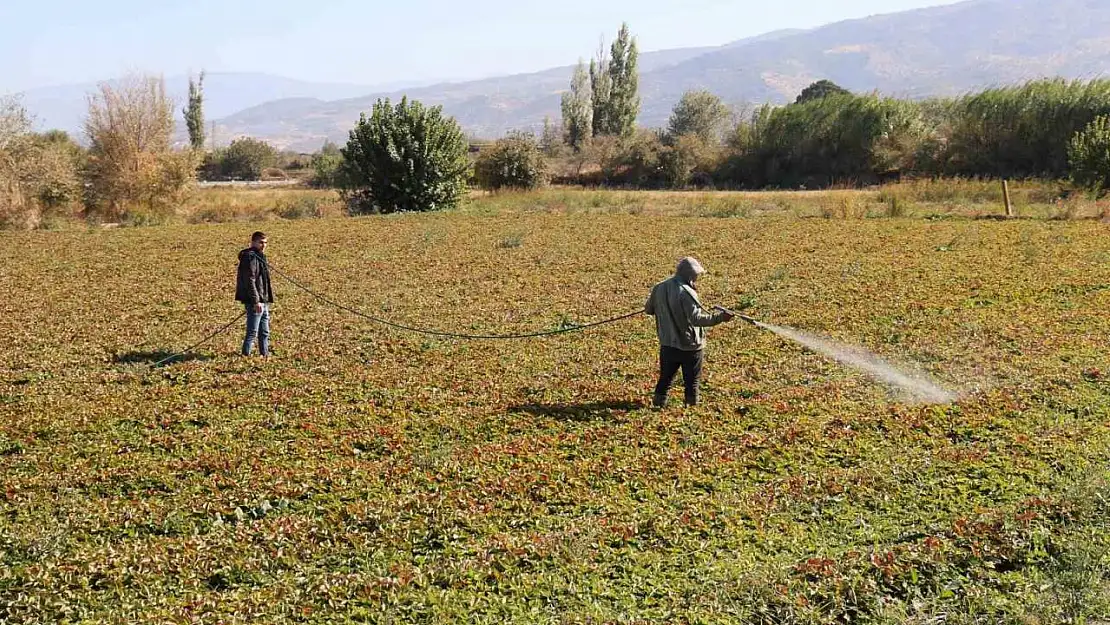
[
  {"x": 515, "y": 162},
  {"x": 247, "y": 159},
  {"x": 406, "y": 157},
  {"x": 1021, "y": 131},
  {"x": 689, "y": 159},
  {"x": 131, "y": 167},
  {"x": 698, "y": 113},
  {"x": 326, "y": 166},
  {"x": 634, "y": 161},
  {"x": 39, "y": 179},
  {"x": 834, "y": 139},
  {"x": 1089, "y": 156},
  {"x": 301, "y": 208}
]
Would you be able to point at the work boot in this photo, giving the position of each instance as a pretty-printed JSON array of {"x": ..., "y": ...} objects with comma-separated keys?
[
  {"x": 659, "y": 401},
  {"x": 691, "y": 401}
]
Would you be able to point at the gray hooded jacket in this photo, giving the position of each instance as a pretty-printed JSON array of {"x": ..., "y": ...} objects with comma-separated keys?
[{"x": 680, "y": 319}]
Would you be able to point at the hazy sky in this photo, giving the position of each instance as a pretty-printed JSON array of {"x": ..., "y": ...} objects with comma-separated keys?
[{"x": 47, "y": 42}]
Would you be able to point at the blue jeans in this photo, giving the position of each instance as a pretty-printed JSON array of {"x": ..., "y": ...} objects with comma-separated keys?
[{"x": 258, "y": 327}]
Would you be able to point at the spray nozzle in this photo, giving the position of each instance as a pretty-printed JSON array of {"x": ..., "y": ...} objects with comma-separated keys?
[{"x": 737, "y": 315}]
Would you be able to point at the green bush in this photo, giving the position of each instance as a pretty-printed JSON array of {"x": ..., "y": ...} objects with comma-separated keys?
[
  {"x": 1021, "y": 131},
  {"x": 247, "y": 159},
  {"x": 833, "y": 139},
  {"x": 406, "y": 157},
  {"x": 326, "y": 166},
  {"x": 688, "y": 160},
  {"x": 1089, "y": 156},
  {"x": 698, "y": 113},
  {"x": 515, "y": 162},
  {"x": 633, "y": 161}
]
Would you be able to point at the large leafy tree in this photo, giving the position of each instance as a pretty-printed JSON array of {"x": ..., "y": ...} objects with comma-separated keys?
[
  {"x": 404, "y": 157},
  {"x": 615, "y": 87}
]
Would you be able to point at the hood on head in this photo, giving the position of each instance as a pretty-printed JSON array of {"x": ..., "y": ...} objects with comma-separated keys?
[{"x": 689, "y": 268}]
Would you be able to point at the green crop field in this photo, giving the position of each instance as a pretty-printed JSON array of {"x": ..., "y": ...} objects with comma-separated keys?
[{"x": 366, "y": 474}]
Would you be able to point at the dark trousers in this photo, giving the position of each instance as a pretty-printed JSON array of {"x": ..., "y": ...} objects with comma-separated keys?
[{"x": 670, "y": 361}]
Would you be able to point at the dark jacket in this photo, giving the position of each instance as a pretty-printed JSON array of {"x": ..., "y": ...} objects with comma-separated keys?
[{"x": 252, "y": 284}]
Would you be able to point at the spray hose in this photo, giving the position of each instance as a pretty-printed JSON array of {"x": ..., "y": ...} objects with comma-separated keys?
[{"x": 566, "y": 329}]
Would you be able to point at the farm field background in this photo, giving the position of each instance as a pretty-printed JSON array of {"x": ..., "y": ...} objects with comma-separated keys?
[{"x": 368, "y": 475}]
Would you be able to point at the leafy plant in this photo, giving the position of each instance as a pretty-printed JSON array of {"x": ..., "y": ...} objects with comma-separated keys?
[
  {"x": 246, "y": 159},
  {"x": 404, "y": 158},
  {"x": 1089, "y": 156},
  {"x": 514, "y": 162}
]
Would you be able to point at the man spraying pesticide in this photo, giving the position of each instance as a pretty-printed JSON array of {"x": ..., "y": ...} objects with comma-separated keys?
[{"x": 680, "y": 323}]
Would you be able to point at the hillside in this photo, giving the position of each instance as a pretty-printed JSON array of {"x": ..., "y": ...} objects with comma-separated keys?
[{"x": 929, "y": 52}]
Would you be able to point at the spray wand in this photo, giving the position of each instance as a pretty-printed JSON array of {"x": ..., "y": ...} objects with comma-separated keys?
[{"x": 737, "y": 315}]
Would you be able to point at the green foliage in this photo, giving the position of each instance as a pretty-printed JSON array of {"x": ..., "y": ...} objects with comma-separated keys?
[
  {"x": 631, "y": 161},
  {"x": 406, "y": 157},
  {"x": 615, "y": 86},
  {"x": 578, "y": 110},
  {"x": 689, "y": 160},
  {"x": 1089, "y": 156},
  {"x": 698, "y": 113},
  {"x": 1020, "y": 132},
  {"x": 194, "y": 112},
  {"x": 326, "y": 166},
  {"x": 246, "y": 158},
  {"x": 59, "y": 162},
  {"x": 820, "y": 89},
  {"x": 601, "y": 87},
  {"x": 836, "y": 139},
  {"x": 515, "y": 162},
  {"x": 645, "y": 160},
  {"x": 551, "y": 139},
  {"x": 624, "y": 98}
]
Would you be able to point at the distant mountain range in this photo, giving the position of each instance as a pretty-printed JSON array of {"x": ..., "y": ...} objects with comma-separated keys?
[
  {"x": 226, "y": 93},
  {"x": 940, "y": 51}
]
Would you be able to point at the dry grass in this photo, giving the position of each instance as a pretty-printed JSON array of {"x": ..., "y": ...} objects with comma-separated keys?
[
  {"x": 918, "y": 198},
  {"x": 217, "y": 205},
  {"x": 930, "y": 199}
]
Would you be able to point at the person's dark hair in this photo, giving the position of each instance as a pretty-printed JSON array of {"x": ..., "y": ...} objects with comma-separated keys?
[{"x": 258, "y": 236}]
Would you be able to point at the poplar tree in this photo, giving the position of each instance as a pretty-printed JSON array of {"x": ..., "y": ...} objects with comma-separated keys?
[
  {"x": 624, "y": 97},
  {"x": 194, "y": 112},
  {"x": 578, "y": 112}
]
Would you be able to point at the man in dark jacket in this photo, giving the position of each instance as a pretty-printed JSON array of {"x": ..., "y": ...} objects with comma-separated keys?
[
  {"x": 680, "y": 322},
  {"x": 252, "y": 288}
]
